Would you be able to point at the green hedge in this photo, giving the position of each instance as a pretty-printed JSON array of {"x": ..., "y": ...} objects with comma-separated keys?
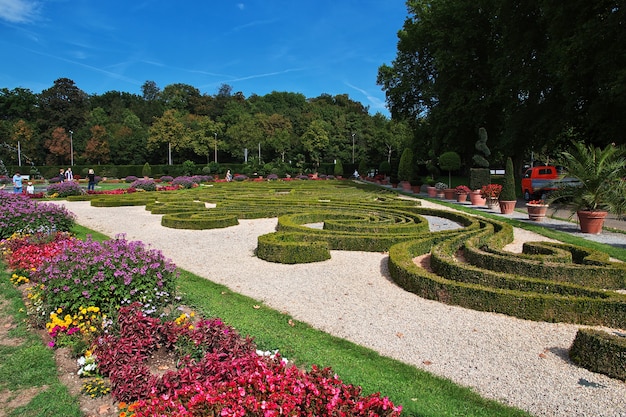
[
  {"x": 600, "y": 352},
  {"x": 458, "y": 283},
  {"x": 292, "y": 248},
  {"x": 198, "y": 221}
]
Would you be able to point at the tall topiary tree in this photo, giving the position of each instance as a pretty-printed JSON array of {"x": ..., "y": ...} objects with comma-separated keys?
[
  {"x": 508, "y": 187},
  {"x": 480, "y": 175},
  {"x": 384, "y": 168},
  {"x": 362, "y": 167},
  {"x": 405, "y": 168},
  {"x": 146, "y": 171},
  {"x": 450, "y": 161},
  {"x": 338, "y": 168}
]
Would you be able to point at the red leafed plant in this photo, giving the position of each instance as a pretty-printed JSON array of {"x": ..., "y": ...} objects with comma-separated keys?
[
  {"x": 491, "y": 191},
  {"x": 219, "y": 374}
]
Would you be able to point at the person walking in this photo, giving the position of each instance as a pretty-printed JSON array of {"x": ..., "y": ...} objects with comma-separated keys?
[
  {"x": 69, "y": 175},
  {"x": 91, "y": 177},
  {"x": 61, "y": 175},
  {"x": 17, "y": 183}
]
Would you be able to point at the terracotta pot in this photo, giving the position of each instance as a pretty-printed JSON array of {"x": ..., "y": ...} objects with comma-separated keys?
[
  {"x": 449, "y": 193},
  {"x": 416, "y": 189},
  {"x": 507, "y": 207},
  {"x": 491, "y": 202},
  {"x": 591, "y": 221},
  {"x": 461, "y": 198},
  {"x": 537, "y": 212},
  {"x": 405, "y": 185},
  {"x": 477, "y": 199},
  {"x": 432, "y": 191}
]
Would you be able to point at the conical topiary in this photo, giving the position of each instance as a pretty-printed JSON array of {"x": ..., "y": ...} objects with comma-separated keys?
[
  {"x": 405, "y": 167},
  {"x": 508, "y": 187},
  {"x": 338, "y": 168}
]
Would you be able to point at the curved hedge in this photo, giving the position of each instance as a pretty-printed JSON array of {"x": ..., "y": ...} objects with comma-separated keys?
[
  {"x": 467, "y": 264},
  {"x": 454, "y": 281}
]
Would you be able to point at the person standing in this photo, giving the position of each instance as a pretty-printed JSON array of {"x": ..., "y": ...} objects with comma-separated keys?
[
  {"x": 17, "y": 183},
  {"x": 61, "y": 175},
  {"x": 69, "y": 175},
  {"x": 229, "y": 176},
  {"x": 91, "y": 177},
  {"x": 30, "y": 188}
]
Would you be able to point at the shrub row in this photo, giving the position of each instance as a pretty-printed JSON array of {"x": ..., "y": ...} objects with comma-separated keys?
[
  {"x": 458, "y": 283},
  {"x": 557, "y": 261},
  {"x": 600, "y": 352}
]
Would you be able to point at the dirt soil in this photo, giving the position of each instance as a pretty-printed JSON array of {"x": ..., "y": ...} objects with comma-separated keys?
[{"x": 159, "y": 363}]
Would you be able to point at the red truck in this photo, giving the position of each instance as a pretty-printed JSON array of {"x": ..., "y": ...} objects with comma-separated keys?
[{"x": 538, "y": 181}]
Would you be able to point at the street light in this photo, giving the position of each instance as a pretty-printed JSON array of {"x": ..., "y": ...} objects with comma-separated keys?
[
  {"x": 215, "y": 133},
  {"x": 72, "y": 147},
  {"x": 353, "y": 148}
]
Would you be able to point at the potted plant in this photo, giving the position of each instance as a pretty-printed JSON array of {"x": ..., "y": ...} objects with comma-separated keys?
[
  {"x": 461, "y": 193},
  {"x": 490, "y": 193},
  {"x": 507, "y": 197},
  {"x": 537, "y": 210},
  {"x": 405, "y": 169},
  {"x": 430, "y": 189},
  {"x": 440, "y": 186},
  {"x": 600, "y": 187}
]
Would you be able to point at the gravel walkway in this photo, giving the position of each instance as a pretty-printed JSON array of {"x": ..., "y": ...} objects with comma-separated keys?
[{"x": 518, "y": 362}]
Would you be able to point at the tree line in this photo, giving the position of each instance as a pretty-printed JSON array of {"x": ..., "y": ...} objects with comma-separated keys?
[
  {"x": 175, "y": 124},
  {"x": 534, "y": 74}
]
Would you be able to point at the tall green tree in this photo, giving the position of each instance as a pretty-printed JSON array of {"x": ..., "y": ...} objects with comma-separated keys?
[
  {"x": 168, "y": 134},
  {"x": 315, "y": 140}
]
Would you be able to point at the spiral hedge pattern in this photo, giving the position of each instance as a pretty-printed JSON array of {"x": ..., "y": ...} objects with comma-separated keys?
[{"x": 465, "y": 265}]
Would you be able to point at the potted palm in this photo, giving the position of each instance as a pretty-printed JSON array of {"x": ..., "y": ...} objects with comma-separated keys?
[
  {"x": 599, "y": 186},
  {"x": 507, "y": 197}
]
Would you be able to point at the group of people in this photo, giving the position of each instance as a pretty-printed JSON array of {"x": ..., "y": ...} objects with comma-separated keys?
[
  {"x": 18, "y": 184},
  {"x": 68, "y": 175},
  {"x": 64, "y": 176}
]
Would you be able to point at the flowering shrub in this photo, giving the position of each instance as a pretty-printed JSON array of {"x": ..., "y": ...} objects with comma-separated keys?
[
  {"x": 78, "y": 330},
  {"x": 27, "y": 252},
  {"x": 491, "y": 191},
  {"x": 107, "y": 274},
  {"x": 64, "y": 189},
  {"x": 130, "y": 179},
  {"x": 227, "y": 378},
  {"x": 183, "y": 182},
  {"x": 146, "y": 185},
  {"x": 441, "y": 186},
  {"x": 462, "y": 189},
  {"x": 19, "y": 214},
  {"x": 272, "y": 177},
  {"x": 240, "y": 177},
  {"x": 166, "y": 178}
]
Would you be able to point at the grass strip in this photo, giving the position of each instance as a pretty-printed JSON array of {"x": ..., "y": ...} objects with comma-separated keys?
[
  {"x": 419, "y": 392},
  {"x": 28, "y": 364}
]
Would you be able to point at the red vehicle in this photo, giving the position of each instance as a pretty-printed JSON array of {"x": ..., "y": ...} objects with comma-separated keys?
[{"x": 538, "y": 181}]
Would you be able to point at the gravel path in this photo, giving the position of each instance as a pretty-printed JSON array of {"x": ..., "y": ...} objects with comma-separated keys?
[{"x": 518, "y": 362}]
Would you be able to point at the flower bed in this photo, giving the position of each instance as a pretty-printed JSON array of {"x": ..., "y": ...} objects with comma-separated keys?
[{"x": 77, "y": 286}]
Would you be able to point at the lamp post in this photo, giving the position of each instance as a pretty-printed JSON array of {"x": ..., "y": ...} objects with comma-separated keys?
[
  {"x": 215, "y": 133},
  {"x": 353, "y": 148},
  {"x": 72, "y": 147}
]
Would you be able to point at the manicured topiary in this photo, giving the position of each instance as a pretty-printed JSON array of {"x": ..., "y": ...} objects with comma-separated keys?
[
  {"x": 146, "y": 171},
  {"x": 450, "y": 161},
  {"x": 508, "y": 187},
  {"x": 405, "y": 168},
  {"x": 338, "y": 168}
]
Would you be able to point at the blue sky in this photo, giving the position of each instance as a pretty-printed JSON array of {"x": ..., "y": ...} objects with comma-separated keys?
[{"x": 256, "y": 46}]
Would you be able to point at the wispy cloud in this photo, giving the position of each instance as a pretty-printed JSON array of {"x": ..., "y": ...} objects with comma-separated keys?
[
  {"x": 376, "y": 102},
  {"x": 19, "y": 11},
  {"x": 110, "y": 74}
]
